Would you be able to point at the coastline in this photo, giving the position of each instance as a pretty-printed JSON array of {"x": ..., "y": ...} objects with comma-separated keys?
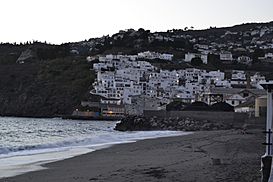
[{"x": 226, "y": 155}]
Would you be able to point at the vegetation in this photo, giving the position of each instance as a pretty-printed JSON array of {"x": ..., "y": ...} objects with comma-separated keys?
[
  {"x": 175, "y": 106},
  {"x": 57, "y": 77},
  {"x": 197, "y": 61},
  {"x": 44, "y": 88}
]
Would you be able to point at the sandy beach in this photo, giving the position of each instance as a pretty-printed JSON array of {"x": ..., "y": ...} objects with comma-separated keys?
[{"x": 203, "y": 156}]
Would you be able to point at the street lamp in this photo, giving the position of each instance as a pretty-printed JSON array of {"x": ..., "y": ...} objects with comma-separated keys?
[{"x": 267, "y": 158}]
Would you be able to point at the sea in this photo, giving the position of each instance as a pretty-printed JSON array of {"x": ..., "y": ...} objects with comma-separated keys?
[{"x": 28, "y": 143}]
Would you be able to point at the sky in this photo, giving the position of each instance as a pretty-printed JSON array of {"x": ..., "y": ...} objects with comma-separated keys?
[{"x": 60, "y": 21}]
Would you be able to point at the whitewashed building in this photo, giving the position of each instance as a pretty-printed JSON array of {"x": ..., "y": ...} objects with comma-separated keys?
[
  {"x": 268, "y": 55},
  {"x": 238, "y": 77},
  {"x": 155, "y": 55},
  {"x": 244, "y": 60},
  {"x": 235, "y": 100},
  {"x": 226, "y": 56}
]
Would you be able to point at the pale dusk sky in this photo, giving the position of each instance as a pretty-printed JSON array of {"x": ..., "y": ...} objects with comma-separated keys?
[{"x": 58, "y": 21}]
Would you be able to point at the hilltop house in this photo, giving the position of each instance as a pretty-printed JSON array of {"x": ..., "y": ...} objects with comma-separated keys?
[
  {"x": 244, "y": 60},
  {"x": 226, "y": 56},
  {"x": 155, "y": 55}
]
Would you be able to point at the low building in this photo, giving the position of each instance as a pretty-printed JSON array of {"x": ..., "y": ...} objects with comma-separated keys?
[
  {"x": 244, "y": 60},
  {"x": 155, "y": 55},
  {"x": 261, "y": 106},
  {"x": 226, "y": 56},
  {"x": 142, "y": 102},
  {"x": 235, "y": 100},
  {"x": 238, "y": 78},
  {"x": 233, "y": 96},
  {"x": 268, "y": 55},
  {"x": 246, "y": 107},
  {"x": 112, "y": 110}
]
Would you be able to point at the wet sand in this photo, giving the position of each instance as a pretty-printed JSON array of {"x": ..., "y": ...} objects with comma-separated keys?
[{"x": 203, "y": 156}]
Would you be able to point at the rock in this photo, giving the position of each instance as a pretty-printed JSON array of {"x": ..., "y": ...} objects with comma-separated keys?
[
  {"x": 137, "y": 123},
  {"x": 187, "y": 122}
]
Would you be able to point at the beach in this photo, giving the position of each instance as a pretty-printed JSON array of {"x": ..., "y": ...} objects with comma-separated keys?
[{"x": 230, "y": 155}]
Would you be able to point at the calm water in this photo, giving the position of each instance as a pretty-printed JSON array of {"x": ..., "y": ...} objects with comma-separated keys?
[{"x": 26, "y": 143}]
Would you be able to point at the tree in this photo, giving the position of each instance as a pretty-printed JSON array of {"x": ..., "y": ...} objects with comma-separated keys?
[
  {"x": 256, "y": 54},
  {"x": 214, "y": 60},
  {"x": 197, "y": 61}
]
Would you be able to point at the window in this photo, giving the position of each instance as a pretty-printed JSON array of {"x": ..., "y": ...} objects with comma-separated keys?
[{"x": 232, "y": 102}]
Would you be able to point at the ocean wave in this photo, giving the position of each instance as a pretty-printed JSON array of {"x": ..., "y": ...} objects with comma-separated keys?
[{"x": 93, "y": 141}]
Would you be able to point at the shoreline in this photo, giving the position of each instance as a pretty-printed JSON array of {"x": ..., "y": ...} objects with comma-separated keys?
[
  {"x": 31, "y": 161},
  {"x": 180, "y": 158}
]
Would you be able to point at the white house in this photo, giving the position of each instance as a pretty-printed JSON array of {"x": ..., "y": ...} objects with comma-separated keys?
[
  {"x": 201, "y": 46},
  {"x": 211, "y": 77},
  {"x": 191, "y": 74},
  {"x": 223, "y": 83},
  {"x": 268, "y": 55},
  {"x": 244, "y": 60},
  {"x": 226, "y": 56},
  {"x": 235, "y": 100},
  {"x": 238, "y": 77},
  {"x": 155, "y": 55}
]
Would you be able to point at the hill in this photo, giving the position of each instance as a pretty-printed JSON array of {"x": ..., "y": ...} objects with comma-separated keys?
[{"x": 45, "y": 80}]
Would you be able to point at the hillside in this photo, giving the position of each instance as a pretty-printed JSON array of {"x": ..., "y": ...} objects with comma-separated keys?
[
  {"x": 43, "y": 89},
  {"x": 40, "y": 79}
]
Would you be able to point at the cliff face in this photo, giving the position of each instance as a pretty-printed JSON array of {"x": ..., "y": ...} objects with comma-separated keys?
[{"x": 44, "y": 88}]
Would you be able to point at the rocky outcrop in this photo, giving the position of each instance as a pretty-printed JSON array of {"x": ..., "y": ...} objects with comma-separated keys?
[{"x": 137, "y": 123}]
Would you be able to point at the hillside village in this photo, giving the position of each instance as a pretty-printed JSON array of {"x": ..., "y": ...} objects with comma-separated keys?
[
  {"x": 131, "y": 86},
  {"x": 137, "y": 70},
  {"x": 241, "y": 44}
]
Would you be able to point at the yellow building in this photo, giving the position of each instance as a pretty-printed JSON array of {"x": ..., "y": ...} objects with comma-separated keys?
[{"x": 261, "y": 106}]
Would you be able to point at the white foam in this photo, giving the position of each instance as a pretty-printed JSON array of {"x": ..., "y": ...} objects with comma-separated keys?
[
  {"x": 17, "y": 165},
  {"x": 21, "y": 162}
]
